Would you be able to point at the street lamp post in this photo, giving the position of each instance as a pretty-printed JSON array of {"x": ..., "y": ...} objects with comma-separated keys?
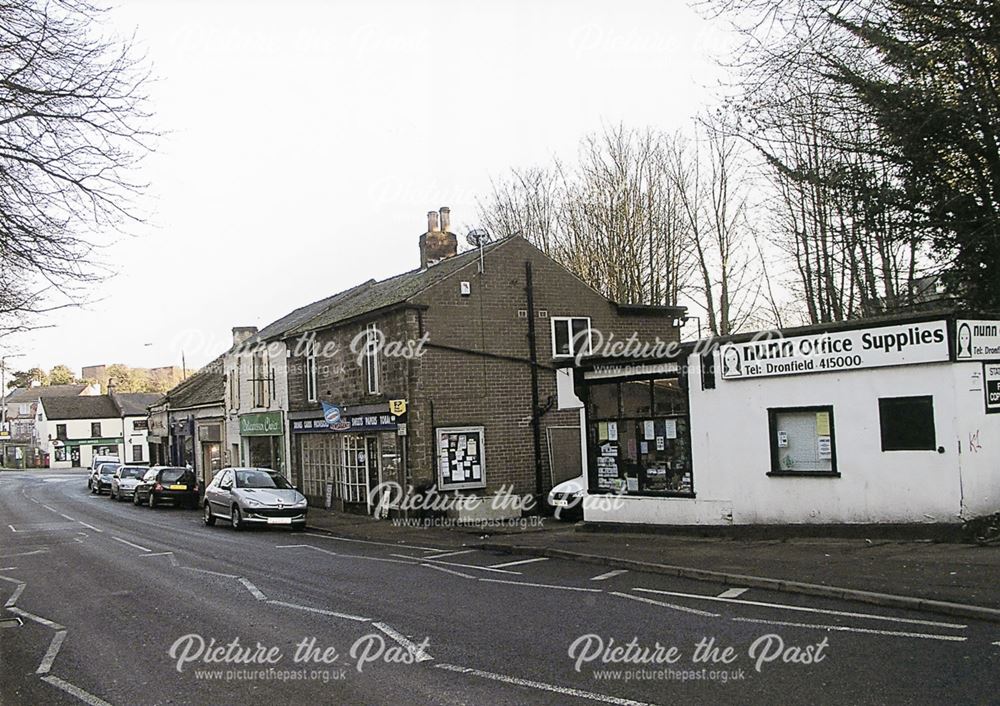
[{"x": 3, "y": 385}]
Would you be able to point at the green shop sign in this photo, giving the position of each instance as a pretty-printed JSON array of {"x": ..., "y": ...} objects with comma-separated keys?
[
  {"x": 261, "y": 424},
  {"x": 101, "y": 441}
]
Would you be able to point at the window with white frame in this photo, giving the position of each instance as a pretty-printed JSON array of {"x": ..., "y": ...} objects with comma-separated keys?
[
  {"x": 261, "y": 373},
  {"x": 372, "y": 345},
  {"x": 311, "y": 372},
  {"x": 570, "y": 336}
]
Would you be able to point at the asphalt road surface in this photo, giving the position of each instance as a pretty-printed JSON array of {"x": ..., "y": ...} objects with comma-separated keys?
[{"x": 104, "y": 602}]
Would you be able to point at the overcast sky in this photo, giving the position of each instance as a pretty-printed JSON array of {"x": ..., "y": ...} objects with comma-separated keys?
[{"x": 307, "y": 141}]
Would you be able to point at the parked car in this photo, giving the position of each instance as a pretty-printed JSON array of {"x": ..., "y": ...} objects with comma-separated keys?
[
  {"x": 254, "y": 496},
  {"x": 94, "y": 464},
  {"x": 125, "y": 480},
  {"x": 566, "y": 498},
  {"x": 101, "y": 480},
  {"x": 171, "y": 484}
]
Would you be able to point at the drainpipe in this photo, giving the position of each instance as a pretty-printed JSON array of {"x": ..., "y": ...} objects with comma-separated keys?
[{"x": 533, "y": 355}]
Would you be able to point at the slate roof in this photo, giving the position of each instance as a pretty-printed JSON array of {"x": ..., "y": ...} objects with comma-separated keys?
[
  {"x": 134, "y": 403},
  {"x": 32, "y": 394},
  {"x": 374, "y": 295},
  {"x": 205, "y": 387},
  {"x": 80, "y": 407},
  {"x": 303, "y": 314}
]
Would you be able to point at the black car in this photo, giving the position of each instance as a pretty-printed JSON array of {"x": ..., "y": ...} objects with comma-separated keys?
[
  {"x": 171, "y": 484},
  {"x": 101, "y": 479}
]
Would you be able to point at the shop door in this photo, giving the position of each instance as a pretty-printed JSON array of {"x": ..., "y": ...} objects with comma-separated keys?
[
  {"x": 372, "y": 471},
  {"x": 211, "y": 460}
]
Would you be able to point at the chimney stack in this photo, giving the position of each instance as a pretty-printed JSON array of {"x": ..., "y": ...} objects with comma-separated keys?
[
  {"x": 438, "y": 243},
  {"x": 242, "y": 333}
]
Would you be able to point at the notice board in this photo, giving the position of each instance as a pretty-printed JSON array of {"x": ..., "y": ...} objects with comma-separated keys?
[{"x": 461, "y": 458}]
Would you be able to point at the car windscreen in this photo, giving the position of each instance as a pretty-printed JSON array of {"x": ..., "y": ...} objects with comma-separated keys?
[
  {"x": 260, "y": 479},
  {"x": 108, "y": 469},
  {"x": 173, "y": 475},
  {"x": 133, "y": 472}
]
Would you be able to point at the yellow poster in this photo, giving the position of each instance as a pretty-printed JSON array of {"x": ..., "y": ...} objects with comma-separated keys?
[
  {"x": 822, "y": 424},
  {"x": 602, "y": 431},
  {"x": 397, "y": 407}
]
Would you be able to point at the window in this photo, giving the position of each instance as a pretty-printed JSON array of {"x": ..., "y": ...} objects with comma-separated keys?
[
  {"x": 372, "y": 345},
  {"x": 311, "y": 372},
  {"x": 907, "y": 423},
  {"x": 802, "y": 441},
  {"x": 260, "y": 379},
  {"x": 708, "y": 370},
  {"x": 137, "y": 452},
  {"x": 61, "y": 431},
  {"x": 95, "y": 429},
  {"x": 570, "y": 336},
  {"x": 61, "y": 454}
]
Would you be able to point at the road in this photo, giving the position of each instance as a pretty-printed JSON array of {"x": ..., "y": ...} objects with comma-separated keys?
[{"x": 107, "y": 603}]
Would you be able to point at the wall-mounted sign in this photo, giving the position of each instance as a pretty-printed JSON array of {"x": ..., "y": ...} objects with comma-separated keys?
[
  {"x": 461, "y": 458},
  {"x": 261, "y": 424},
  {"x": 397, "y": 407},
  {"x": 333, "y": 415},
  {"x": 904, "y": 344},
  {"x": 977, "y": 340},
  {"x": 360, "y": 423},
  {"x": 991, "y": 378}
]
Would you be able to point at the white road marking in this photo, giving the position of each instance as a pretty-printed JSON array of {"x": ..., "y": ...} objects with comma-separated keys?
[
  {"x": 50, "y": 654},
  {"x": 134, "y": 546},
  {"x": 49, "y": 507},
  {"x": 71, "y": 519},
  {"x": 449, "y": 571},
  {"x": 12, "y": 528},
  {"x": 213, "y": 573},
  {"x": 43, "y": 550},
  {"x": 519, "y": 562},
  {"x": 674, "y": 606},
  {"x": 84, "y": 696},
  {"x": 7, "y": 568},
  {"x": 609, "y": 575},
  {"x": 411, "y": 647},
  {"x": 543, "y": 585},
  {"x": 91, "y": 527},
  {"x": 462, "y": 566},
  {"x": 157, "y": 554},
  {"x": 8, "y": 578},
  {"x": 733, "y": 592},
  {"x": 253, "y": 589},
  {"x": 321, "y": 611},
  {"x": 37, "y": 618},
  {"x": 293, "y": 546},
  {"x": 442, "y": 556},
  {"x": 368, "y": 541},
  {"x": 15, "y": 595},
  {"x": 804, "y": 609},
  {"x": 542, "y": 686},
  {"x": 845, "y": 628}
]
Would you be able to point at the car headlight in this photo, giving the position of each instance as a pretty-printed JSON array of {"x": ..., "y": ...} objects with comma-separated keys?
[{"x": 253, "y": 503}]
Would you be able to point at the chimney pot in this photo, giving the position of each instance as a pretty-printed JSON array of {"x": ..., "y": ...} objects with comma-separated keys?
[
  {"x": 445, "y": 219},
  {"x": 432, "y": 222},
  {"x": 242, "y": 333},
  {"x": 438, "y": 243}
]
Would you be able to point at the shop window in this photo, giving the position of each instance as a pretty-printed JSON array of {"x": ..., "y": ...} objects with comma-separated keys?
[
  {"x": 61, "y": 454},
  {"x": 907, "y": 423},
  {"x": 570, "y": 336},
  {"x": 669, "y": 396},
  {"x": 61, "y": 431},
  {"x": 137, "y": 453},
  {"x": 636, "y": 399},
  {"x": 602, "y": 401},
  {"x": 311, "y": 372},
  {"x": 95, "y": 429},
  {"x": 802, "y": 441},
  {"x": 372, "y": 358}
]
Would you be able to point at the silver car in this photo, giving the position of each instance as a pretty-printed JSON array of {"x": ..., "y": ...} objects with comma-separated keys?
[
  {"x": 124, "y": 481},
  {"x": 254, "y": 496}
]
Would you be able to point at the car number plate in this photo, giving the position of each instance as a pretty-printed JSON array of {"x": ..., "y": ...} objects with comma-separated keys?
[
  {"x": 177, "y": 487},
  {"x": 560, "y": 503},
  {"x": 279, "y": 520}
]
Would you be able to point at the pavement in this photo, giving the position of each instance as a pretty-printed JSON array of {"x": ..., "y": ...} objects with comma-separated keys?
[
  {"x": 105, "y": 603},
  {"x": 963, "y": 574}
]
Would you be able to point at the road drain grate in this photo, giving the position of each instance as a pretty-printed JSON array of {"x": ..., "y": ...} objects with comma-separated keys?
[{"x": 10, "y": 623}]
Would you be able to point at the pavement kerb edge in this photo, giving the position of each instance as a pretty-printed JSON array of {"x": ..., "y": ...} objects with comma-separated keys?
[{"x": 887, "y": 600}]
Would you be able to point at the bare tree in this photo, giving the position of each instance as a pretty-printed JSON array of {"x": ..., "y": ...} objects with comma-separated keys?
[{"x": 73, "y": 126}]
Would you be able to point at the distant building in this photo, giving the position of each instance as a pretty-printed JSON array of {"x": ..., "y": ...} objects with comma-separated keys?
[{"x": 19, "y": 447}]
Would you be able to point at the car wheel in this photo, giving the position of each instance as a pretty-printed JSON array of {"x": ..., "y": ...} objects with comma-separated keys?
[
  {"x": 135, "y": 498},
  {"x": 209, "y": 517},
  {"x": 237, "y": 519},
  {"x": 152, "y": 501}
]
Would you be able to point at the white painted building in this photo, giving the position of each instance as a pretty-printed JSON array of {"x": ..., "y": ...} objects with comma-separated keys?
[
  {"x": 878, "y": 421},
  {"x": 72, "y": 430}
]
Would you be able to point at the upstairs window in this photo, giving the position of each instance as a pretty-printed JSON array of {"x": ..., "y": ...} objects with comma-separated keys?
[
  {"x": 95, "y": 429},
  {"x": 570, "y": 336},
  {"x": 372, "y": 358},
  {"x": 311, "y": 372},
  {"x": 260, "y": 379},
  {"x": 61, "y": 431},
  {"x": 907, "y": 423}
]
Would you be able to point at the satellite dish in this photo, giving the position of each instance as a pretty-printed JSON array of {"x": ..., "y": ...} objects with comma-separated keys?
[{"x": 478, "y": 237}]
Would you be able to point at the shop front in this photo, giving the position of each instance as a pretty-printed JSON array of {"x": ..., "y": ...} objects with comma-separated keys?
[
  {"x": 346, "y": 453},
  {"x": 879, "y": 421},
  {"x": 262, "y": 436},
  {"x": 210, "y": 440}
]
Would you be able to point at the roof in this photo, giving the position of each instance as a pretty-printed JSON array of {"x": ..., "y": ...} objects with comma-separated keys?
[
  {"x": 303, "y": 314},
  {"x": 80, "y": 407},
  {"x": 205, "y": 387},
  {"x": 374, "y": 295},
  {"x": 135, "y": 403},
  {"x": 31, "y": 394}
]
